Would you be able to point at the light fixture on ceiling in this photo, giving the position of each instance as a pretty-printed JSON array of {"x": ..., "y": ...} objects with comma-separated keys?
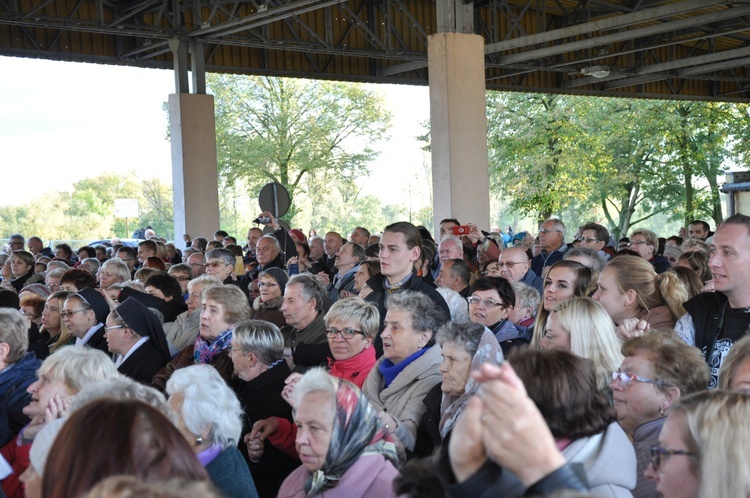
[{"x": 596, "y": 71}]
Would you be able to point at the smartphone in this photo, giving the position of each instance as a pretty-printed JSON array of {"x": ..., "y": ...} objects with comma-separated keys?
[{"x": 461, "y": 230}]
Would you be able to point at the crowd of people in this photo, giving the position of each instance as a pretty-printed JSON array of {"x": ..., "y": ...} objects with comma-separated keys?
[{"x": 396, "y": 363}]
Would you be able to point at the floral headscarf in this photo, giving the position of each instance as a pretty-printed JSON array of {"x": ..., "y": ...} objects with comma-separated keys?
[
  {"x": 489, "y": 351},
  {"x": 357, "y": 431}
]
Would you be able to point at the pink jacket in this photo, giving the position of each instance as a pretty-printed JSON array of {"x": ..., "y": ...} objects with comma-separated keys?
[{"x": 371, "y": 476}]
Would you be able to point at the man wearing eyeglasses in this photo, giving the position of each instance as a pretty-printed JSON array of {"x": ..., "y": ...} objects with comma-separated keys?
[
  {"x": 16, "y": 242},
  {"x": 128, "y": 256},
  {"x": 516, "y": 267},
  {"x": 595, "y": 236},
  {"x": 197, "y": 261},
  {"x": 552, "y": 242}
]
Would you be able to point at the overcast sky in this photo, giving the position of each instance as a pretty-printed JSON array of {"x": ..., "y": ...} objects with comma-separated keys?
[{"x": 61, "y": 122}]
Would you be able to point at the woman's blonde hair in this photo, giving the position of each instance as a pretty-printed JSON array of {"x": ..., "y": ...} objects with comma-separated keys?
[
  {"x": 652, "y": 290},
  {"x": 592, "y": 336},
  {"x": 718, "y": 432}
]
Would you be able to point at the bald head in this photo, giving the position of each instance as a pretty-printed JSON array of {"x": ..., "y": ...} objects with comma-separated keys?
[{"x": 514, "y": 263}]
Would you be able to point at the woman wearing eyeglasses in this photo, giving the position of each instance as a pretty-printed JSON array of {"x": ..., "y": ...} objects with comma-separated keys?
[
  {"x": 703, "y": 448},
  {"x": 658, "y": 369},
  {"x": 267, "y": 306},
  {"x": 351, "y": 325},
  {"x": 491, "y": 301}
]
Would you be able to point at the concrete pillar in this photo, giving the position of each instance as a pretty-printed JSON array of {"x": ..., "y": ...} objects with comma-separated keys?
[
  {"x": 458, "y": 128},
  {"x": 194, "y": 174}
]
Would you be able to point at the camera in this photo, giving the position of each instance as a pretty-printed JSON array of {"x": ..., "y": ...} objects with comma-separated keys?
[{"x": 262, "y": 219}]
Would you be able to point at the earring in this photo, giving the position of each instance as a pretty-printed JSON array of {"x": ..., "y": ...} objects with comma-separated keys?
[
  {"x": 661, "y": 411},
  {"x": 199, "y": 440}
]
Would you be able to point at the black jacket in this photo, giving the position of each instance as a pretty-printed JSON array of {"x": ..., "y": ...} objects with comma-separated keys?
[
  {"x": 428, "y": 431},
  {"x": 144, "y": 363},
  {"x": 486, "y": 482},
  {"x": 98, "y": 341},
  {"x": 260, "y": 399}
]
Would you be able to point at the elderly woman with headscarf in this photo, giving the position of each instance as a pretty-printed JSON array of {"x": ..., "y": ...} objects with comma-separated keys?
[
  {"x": 135, "y": 336},
  {"x": 465, "y": 347},
  {"x": 344, "y": 448},
  {"x": 210, "y": 418}
]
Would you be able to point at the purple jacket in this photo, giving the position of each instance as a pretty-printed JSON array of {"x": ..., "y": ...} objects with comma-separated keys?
[{"x": 370, "y": 477}]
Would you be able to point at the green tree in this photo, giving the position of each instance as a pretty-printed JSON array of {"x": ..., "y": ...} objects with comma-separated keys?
[
  {"x": 295, "y": 132},
  {"x": 533, "y": 151},
  {"x": 631, "y": 180}
]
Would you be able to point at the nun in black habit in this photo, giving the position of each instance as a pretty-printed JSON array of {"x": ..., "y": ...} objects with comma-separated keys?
[{"x": 136, "y": 338}]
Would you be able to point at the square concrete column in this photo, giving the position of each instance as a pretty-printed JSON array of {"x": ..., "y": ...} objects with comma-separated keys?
[
  {"x": 458, "y": 128},
  {"x": 194, "y": 174}
]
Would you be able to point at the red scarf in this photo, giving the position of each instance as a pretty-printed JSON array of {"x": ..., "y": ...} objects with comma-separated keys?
[{"x": 356, "y": 368}]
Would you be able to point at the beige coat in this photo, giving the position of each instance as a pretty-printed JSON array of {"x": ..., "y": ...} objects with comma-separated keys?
[{"x": 403, "y": 398}]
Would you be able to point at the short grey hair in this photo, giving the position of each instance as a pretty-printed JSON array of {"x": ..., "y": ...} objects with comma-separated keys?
[
  {"x": 122, "y": 387},
  {"x": 57, "y": 264},
  {"x": 13, "y": 332},
  {"x": 425, "y": 315},
  {"x": 262, "y": 338},
  {"x": 208, "y": 402},
  {"x": 558, "y": 224},
  {"x": 356, "y": 309},
  {"x": 191, "y": 251},
  {"x": 223, "y": 254},
  {"x": 316, "y": 380},
  {"x": 527, "y": 295},
  {"x": 358, "y": 252},
  {"x": 451, "y": 238},
  {"x": 91, "y": 265},
  {"x": 315, "y": 239},
  {"x": 56, "y": 272},
  {"x": 597, "y": 261},
  {"x": 207, "y": 281},
  {"x": 182, "y": 267},
  {"x": 466, "y": 334},
  {"x": 116, "y": 267},
  {"x": 311, "y": 288},
  {"x": 272, "y": 238},
  {"x": 78, "y": 367}
]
